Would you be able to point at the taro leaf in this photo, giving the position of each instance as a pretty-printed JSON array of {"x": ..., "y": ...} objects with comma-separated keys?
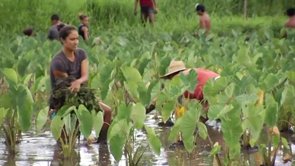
[
  {"x": 245, "y": 99},
  {"x": 143, "y": 65},
  {"x": 216, "y": 149},
  {"x": 118, "y": 127},
  {"x": 285, "y": 143},
  {"x": 138, "y": 115},
  {"x": 65, "y": 110},
  {"x": 190, "y": 79},
  {"x": 97, "y": 121},
  {"x": 25, "y": 107},
  {"x": 6, "y": 100},
  {"x": 272, "y": 109},
  {"x": 40, "y": 84},
  {"x": 105, "y": 79},
  {"x": 167, "y": 109},
  {"x": 116, "y": 146},
  {"x": 3, "y": 112},
  {"x": 41, "y": 118},
  {"x": 291, "y": 77},
  {"x": 174, "y": 133},
  {"x": 213, "y": 87},
  {"x": 10, "y": 75},
  {"x": 56, "y": 126},
  {"x": 219, "y": 111},
  {"x": 232, "y": 131},
  {"x": 132, "y": 89},
  {"x": 203, "y": 133},
  {"x": 254, "y": 120},
  {"x": 26, "y": 79},
  {"x": 144, "y": 94},
  {"x": 288, "y": 96},
  {"x": 131, "y": 74},
  {"x": 188, "y": 125},
  {"x": 124, "y": 112},
  {"x": 270, "y": 81},
  {"x": 229, "y": 90},
  {"x": 154, "y": 141},
  {"x": 69, "y": 123},
  {"x": 85, "y": 120}
]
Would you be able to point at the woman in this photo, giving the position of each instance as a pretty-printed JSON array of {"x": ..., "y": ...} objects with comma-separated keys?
[
  {"x": 148, "y": 10},
  {"x": 72, "y": 62},
  {"x": 83, "y": 28}
]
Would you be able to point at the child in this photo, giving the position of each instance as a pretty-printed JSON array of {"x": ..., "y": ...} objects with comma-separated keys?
[{"x": 204, "y": 19}]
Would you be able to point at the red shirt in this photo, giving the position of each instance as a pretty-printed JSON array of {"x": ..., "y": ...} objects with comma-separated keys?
[
  {"x": 203, "y": 76},
  {"x": 147, "y": 3}
]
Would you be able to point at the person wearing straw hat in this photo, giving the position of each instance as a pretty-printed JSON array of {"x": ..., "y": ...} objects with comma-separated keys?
[{"x": 203, "y": 75}]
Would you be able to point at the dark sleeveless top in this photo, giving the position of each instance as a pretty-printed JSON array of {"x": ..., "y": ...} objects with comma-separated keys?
[{"x": 81, "y": 33}]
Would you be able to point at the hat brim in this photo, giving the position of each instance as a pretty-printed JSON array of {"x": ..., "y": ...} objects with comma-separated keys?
[{"x": 172, "y": 72}]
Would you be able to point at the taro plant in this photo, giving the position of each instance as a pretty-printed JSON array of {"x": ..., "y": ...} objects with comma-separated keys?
[
  {"x": 79, "y": 114},
  {"x": 16, "y": 107},
  {"x": 130, "y": 115}
]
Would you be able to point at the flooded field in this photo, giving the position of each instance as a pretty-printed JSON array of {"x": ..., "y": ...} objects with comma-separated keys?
[{"x": 39, "y": 150}]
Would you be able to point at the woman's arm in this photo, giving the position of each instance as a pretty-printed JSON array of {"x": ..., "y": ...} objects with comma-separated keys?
[{"x": 75, "y": 85}]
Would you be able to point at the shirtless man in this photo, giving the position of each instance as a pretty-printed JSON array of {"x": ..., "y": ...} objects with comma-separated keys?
[
  {"x": 204, "y": 19},
  {"x": 291, "y": 21}
]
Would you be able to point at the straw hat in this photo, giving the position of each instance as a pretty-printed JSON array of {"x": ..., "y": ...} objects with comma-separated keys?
[{"x": 175, "y": 66}]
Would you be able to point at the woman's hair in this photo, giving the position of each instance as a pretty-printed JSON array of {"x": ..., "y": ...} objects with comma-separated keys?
[
  {"x": 200, "y": 8},
  {"x": 82, "y": 16},
  {"x": 54, "y": 17},
  {"x": 290, "y": 12},
  {"x": 65, "y": 31}
]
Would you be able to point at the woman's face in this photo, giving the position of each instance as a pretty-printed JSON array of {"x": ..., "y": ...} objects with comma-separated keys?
[
  {"x": 71, "y": 41},
  {"x": 85, "y": 21}
]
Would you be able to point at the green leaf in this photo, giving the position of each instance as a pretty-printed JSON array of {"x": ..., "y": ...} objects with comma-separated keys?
[
  {"x": 229, "y": 90},
  {"x": 42, "y": 118},
  {"x": 3, "y": 112},
  {"x": 270, "y": 81},
  {"x": 285, "y": 143},
  {"x": 232, "y": 131},
  {"x": 10, "y": 75},
  {"x": 167, "y": 109},
  {"x": 203, "y": 133},
  {"x": 138, "y": 115},
  {"x": 97, "y": 121},
  {"x": 56, "y": 127},
  {"x": 132, "y": 90},
  {"x": 218, "y": 111},
  {"x": 154, "y": 141},
  {"x": 131, "y": 74},
  {"x": 116, "y": 146},
  {"x": 272, "y": 109},
  {"x": 215, "y": 150},
  {"x": 254, "y": 120},
  {"x": 24, "y": 107},
  {"x": 65, "y": 110},
  {"x": 85, "y": 120},
  {"x": 190, "y": 79}
]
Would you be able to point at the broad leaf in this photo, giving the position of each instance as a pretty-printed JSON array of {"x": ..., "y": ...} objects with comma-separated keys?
[
  {"x": 24, "y": 107},
  {"x": 154, "y": 141},
  {"x": 10, "y": 75},
  {"x": 3, "y": 112},
  {"x": 131, "y": 74},
  {"x": 138, "y": 115},
  {"x": 56, "y": 127},
  {"x": 97, "y": 121},
  {"x": 41, "y": 118},
  {"x": 85, "y": 120}
]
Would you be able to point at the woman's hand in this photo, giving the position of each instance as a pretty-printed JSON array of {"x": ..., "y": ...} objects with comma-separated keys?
[{"x": 75, "y": 86}]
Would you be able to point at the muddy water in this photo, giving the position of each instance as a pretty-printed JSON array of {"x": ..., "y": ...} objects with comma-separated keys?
[{"x": 39, "y": 150}]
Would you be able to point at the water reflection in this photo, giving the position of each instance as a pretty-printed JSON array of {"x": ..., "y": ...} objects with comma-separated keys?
[{"x": 39, "y": 150}]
